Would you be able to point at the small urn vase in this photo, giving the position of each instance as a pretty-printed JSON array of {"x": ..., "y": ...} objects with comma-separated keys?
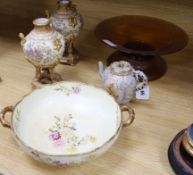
[
  {"x": 43, "y": 47},
  {"x": 69, "y": 23},
  {"x": 122, "y": 81}
]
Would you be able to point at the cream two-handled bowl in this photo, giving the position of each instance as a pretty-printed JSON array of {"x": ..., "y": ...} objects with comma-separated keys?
[{"x": 66, "y": 123}]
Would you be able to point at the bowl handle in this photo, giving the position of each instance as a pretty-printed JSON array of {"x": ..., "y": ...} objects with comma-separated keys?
[
  {"x": 131, "y": 115},
  {"x": 3, "y": 121}
]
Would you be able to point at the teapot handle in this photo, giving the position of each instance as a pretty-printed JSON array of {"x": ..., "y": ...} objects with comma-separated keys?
[{"x": 141, "y": 79}]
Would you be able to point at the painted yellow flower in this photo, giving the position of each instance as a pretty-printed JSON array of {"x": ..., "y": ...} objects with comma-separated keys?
[
  {"x": 92, "y": 139},
  {"x": 57, "y": 44},
  {"x": 72, "y": 150}
]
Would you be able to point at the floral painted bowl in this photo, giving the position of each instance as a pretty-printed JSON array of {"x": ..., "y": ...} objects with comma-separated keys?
[{"x": 66, "y": 123}]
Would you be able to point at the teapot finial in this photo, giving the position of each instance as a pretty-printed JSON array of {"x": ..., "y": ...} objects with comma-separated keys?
[{"x": 101, "y": 68}]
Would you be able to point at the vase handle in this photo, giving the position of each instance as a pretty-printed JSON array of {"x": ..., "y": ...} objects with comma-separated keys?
[
  {"x": 131, "y": 115},
  {"x": 3, "y": 121},
  {"x": 22, "y": 37},
  {"x": 47, "y": 14}
]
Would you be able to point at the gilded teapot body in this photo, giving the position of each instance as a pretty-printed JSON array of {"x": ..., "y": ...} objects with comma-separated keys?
[{"x": 122, "y": 81}]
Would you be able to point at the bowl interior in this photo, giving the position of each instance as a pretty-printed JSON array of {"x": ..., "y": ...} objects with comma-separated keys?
[
  {"x": 66, "y": 118},
  {"x": 138, "y": 32}
]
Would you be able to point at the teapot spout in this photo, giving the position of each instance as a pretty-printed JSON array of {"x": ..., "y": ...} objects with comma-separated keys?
[{"x": 101, "y": 69}]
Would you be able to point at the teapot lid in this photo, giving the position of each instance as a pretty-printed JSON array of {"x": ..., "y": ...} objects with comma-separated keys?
[{"x": 121, "y": 68}]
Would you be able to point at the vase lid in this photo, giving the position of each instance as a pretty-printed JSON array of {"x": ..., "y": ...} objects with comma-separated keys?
[
  {"x": 64, "y": 2},
  {"x": 65, "y": 7}
]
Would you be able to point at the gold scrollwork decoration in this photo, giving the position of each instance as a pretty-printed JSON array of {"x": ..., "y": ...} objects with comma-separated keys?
[
  {"x": 73, "y": 22},
  {"x": 57, "y": 44}
]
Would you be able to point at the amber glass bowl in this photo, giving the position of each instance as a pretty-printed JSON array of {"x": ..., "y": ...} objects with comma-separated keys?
[{"x": 142, "y": 33}]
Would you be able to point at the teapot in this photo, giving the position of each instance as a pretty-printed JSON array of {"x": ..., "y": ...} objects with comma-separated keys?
[{"x": 122, "y": 81}]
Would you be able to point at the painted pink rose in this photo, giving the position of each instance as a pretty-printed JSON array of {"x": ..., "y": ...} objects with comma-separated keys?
[
  {"x": 76, "y": 89},
  {"x": 59, "y": 142},
  {"x": 55, "y": 135}
]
